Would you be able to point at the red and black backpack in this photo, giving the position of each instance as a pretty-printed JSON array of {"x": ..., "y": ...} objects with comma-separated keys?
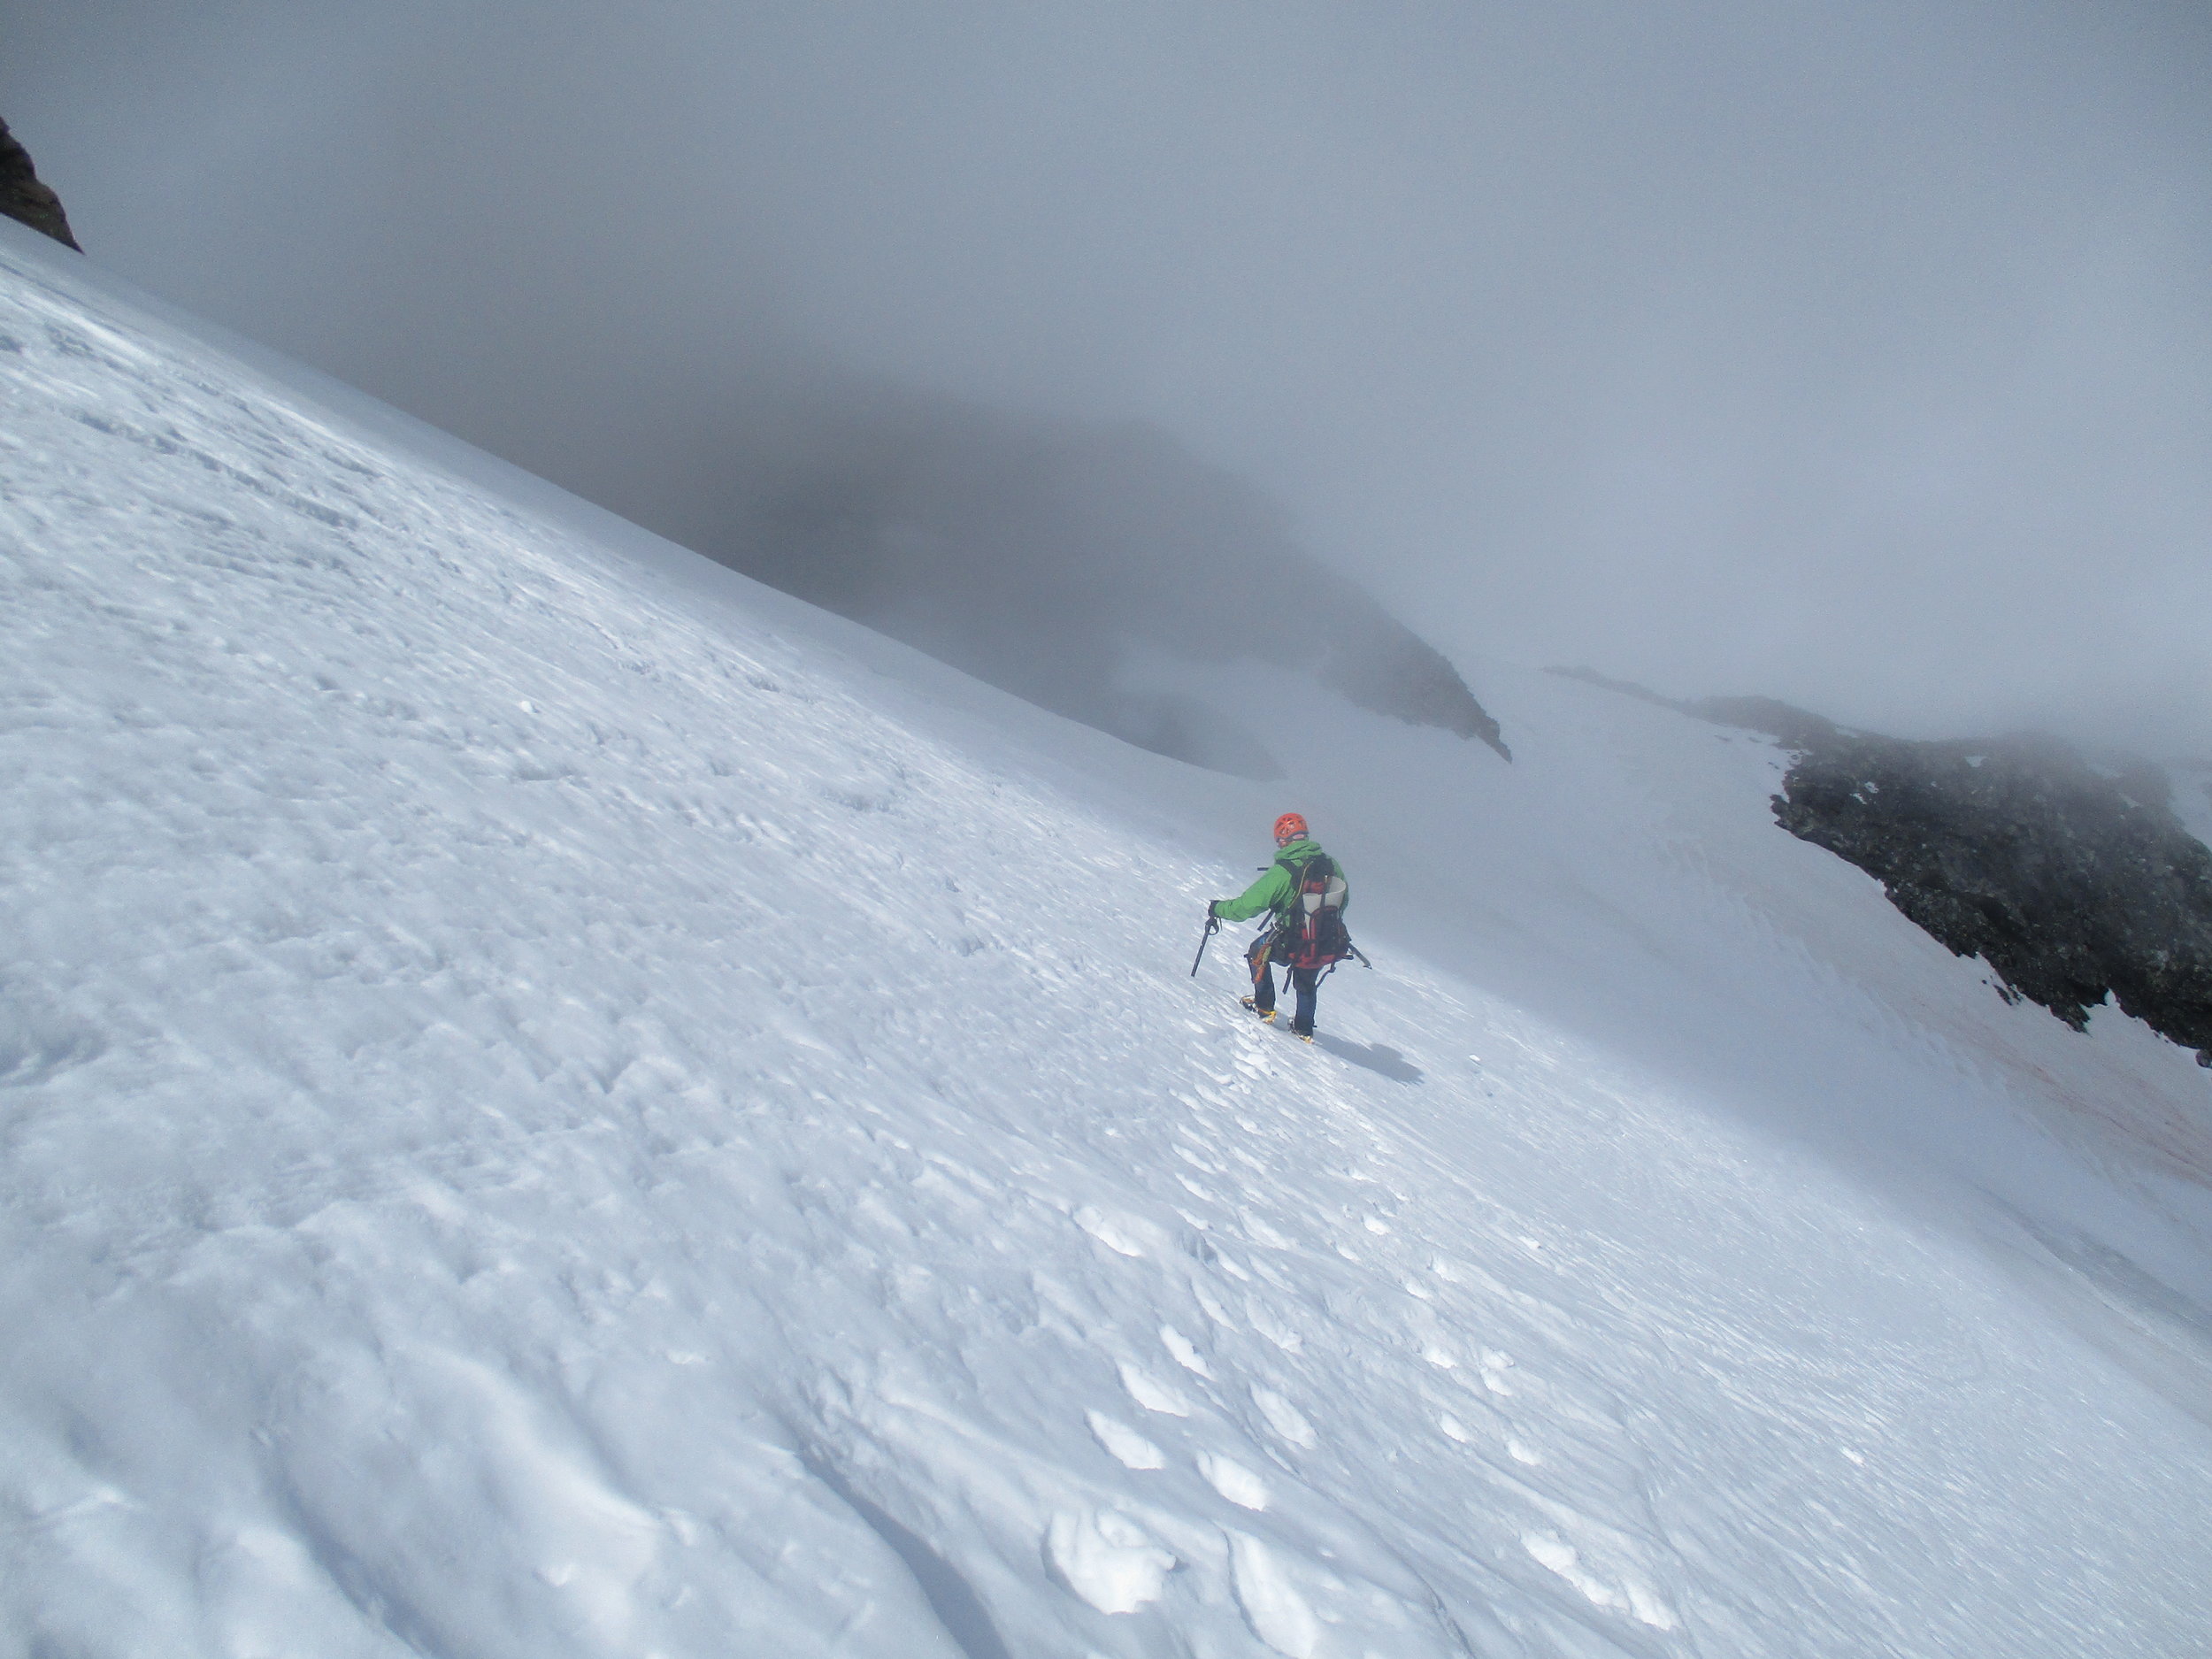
[{"x": 1310, "y": 930}]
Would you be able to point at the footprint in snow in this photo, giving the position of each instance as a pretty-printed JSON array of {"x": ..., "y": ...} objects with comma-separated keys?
[
  {"x": 1638, "y": 1599},
  {"x": 1263, "y": 1320},
  {"x": 1124, "y": 1234},
  {"x": 1233, "y": 1482},
  {"x": 1152, "y": 1395},
  {"x": 1123, "y": 1443},
  {"x": 1284, "y": 1418},
  {"x": 1213, "y": 1309},
  {"x": 1272, "y": 1606},
  {"x": 1261, "y": 1233},
  {"x": 1186, "y": 1353},
  {"x": 1107, "y": 1560}
]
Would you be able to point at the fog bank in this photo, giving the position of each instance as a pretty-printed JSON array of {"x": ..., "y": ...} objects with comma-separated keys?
[
  {"x": 1075, "y": 565},
  {"x": 1849, "y": 355}
]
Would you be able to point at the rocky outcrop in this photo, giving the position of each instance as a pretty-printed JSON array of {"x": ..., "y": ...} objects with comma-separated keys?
[
  {"x": 23, "y": 196},
  {"x": 2075, "y": 881}
]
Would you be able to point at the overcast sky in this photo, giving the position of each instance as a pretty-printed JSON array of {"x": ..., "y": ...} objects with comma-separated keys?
[{"x": 1857, "y": 354}]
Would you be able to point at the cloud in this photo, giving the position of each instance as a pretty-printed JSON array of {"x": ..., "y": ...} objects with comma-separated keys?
[
  {"x": 1085, "y": 567},
  {"x": 1852, "y": 355}
]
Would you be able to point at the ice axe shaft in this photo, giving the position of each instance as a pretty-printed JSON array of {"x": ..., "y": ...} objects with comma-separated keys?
[{"x": 1213, "y": 926}]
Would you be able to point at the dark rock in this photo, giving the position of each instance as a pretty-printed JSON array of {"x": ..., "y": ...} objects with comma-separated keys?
[
  {"x": 2074, "y": 882},
  {"x": 1383, "y": 667},
  {"x": 23, "y": 196}
]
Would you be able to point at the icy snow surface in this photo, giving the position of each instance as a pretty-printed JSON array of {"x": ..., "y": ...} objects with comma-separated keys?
[{"x": 554, "y": 1101}]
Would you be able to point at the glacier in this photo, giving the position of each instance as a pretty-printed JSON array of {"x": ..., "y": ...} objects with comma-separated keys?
[{"x": 555, "y": 1101}]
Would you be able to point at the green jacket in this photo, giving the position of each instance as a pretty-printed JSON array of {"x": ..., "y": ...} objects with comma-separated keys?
[{"x": 1275, "y": 889}]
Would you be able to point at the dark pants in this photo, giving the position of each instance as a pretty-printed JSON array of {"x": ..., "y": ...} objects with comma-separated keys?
[{"x": 1303, "y": 981}]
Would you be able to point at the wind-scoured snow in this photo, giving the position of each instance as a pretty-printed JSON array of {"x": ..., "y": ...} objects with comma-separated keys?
[{"x": 555, "y": 1102}]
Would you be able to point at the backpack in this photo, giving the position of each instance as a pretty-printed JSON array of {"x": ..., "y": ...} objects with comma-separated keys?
[{"x": 1310, "y": 931}]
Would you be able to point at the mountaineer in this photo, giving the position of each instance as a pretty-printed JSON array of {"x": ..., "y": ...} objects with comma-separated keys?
[{"x": 1303, "y": 894}]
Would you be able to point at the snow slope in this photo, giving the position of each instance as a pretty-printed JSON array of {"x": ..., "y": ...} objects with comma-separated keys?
[{"x": 556, "y": 1102}]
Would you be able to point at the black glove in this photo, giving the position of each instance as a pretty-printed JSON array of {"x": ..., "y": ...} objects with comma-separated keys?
[{"x": 1213, "y": 910}]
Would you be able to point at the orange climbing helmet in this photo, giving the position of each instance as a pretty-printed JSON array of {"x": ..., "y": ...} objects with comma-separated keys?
[{"x": 1290, "y": 827}]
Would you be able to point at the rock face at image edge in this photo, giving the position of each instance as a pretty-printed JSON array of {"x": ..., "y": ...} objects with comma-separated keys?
[
  {"x": 24, "y": 197},
  {"x": 2075, "y": 882},
  {"x": 2072, "y": 884}
]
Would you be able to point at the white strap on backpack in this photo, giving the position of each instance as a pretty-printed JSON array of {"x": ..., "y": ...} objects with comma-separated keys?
[{"x": 1331, "y": 896}]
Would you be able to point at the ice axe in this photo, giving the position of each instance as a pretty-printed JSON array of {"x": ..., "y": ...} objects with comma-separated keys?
[{"x": 1213, "y": 926}]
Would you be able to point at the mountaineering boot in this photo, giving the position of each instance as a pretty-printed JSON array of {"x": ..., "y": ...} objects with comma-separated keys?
[{"x": 1266, "y": 1014}]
